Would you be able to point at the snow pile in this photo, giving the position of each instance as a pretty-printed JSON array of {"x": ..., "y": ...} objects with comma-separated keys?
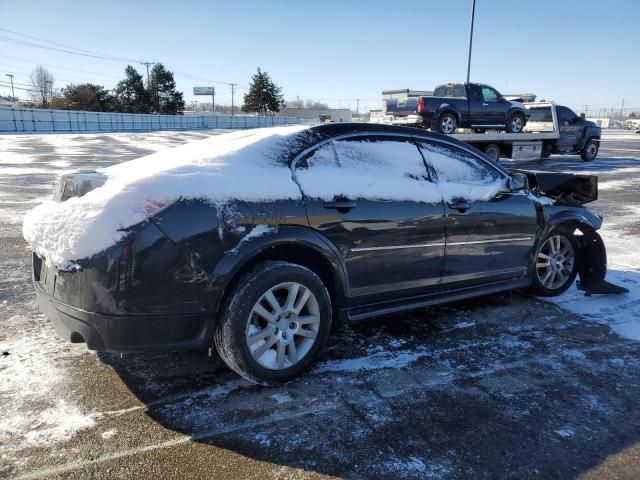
[{"x": 238, "y": 165}]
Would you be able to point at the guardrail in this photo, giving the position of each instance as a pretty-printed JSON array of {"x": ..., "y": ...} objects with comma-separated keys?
[{"x": 29, "y": 120}]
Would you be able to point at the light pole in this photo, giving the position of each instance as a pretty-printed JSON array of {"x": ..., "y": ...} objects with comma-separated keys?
[
  {"x": 473, "y": 14},
  {"x": 13, "y": 95}
]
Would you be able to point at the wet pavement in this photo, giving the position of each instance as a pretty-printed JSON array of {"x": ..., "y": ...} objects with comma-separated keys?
[{"x": 506, "y": 386}]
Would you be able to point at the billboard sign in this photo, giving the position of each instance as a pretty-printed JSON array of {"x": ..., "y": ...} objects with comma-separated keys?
[{"x": 204, "y": 90}]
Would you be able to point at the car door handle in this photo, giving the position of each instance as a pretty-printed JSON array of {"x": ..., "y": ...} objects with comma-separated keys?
[
  {"x": 460, "y": 205},
  {"x": 485, "y": 104},
  {"x": 340, "y": 205}
]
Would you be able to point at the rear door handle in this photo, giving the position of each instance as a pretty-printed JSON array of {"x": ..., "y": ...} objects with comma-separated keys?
[
  {"x": 460, "y": 205},
  {"x": 340, "y": 205}
]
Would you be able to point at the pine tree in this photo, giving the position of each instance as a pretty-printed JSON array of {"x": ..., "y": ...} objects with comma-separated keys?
[
  {"x": 86, "y": 96},
  {"x": 162, "y": 91},
  {"x": 264, "y": 96},
  {"x": 130, "y": 95}
]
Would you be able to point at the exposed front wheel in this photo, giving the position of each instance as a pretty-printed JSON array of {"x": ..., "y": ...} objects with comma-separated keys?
[
  {"x": 555, "y": 264},
  {"x": 447, "y": 123},
  {"x": 516, "y": 123},
  {"x": 274, "y": 323},
  {"x": 589, "y": 151}
]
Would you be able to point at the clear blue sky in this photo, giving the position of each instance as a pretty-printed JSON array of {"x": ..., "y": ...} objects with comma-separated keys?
[{"x": 573, "y": 51}]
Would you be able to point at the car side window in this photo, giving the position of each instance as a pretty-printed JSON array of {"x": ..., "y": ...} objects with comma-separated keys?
[
  {"x": 490, "y": 95},
  {"x": 455, "y": 165},
  {"x": 366, "y": 167}
]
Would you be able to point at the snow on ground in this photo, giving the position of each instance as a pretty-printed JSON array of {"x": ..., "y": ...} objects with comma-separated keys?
[{"x": 32, "y": 377}]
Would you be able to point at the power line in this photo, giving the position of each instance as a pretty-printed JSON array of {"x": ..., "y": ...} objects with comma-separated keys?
[
  {"x": 59, "y": 66},
  {"x": 55, "y": 49}
]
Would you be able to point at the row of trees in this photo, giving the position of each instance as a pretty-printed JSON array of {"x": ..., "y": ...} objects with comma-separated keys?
[
  {"x": 130, "y": 95},
  {"x": 159, "y": 95}
]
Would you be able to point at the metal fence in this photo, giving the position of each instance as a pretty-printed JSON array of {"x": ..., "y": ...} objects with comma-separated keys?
[{"x": 30, "y": 120}]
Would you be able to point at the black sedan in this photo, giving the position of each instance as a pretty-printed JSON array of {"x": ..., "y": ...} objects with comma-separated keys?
[{"x": 388, "y": 219}]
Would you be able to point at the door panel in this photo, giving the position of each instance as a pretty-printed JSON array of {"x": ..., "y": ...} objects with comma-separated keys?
[
  {"x": 385, "y": 245},
  {"x": 371, "y": 196},
  {"x": 486, "y": 240},
  {"x": 493, "y": 107},
  {"x": 492, "y": 242}
]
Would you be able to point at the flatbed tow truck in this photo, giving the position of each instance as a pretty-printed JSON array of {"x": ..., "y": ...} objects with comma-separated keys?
[{"x": 551, "y": 129}]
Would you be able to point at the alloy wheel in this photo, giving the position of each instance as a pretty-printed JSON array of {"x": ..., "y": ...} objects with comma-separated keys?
[
  {"x": 283, "y": 325},
  {"x": 555, "y": 262},
  {"x": 592, "y": 150},
  {"x": 447, "y": 124},
  {"x": 516, "y": 124}
]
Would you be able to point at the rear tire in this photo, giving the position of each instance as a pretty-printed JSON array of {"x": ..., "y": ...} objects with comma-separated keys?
[
  {"x": 590, "y": 150},
  {"x": 556, "y": 264},
  {"x": 274, "y": 323},
  {"x": 447, "y": 123},
  {"x": 493, "y": 151},
  {"x": 516, "y": 123}
]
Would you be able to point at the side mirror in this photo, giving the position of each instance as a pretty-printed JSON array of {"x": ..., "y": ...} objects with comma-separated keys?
[
  {"x": 518, "y": 181},
  {"x": 582, "y": 116}
]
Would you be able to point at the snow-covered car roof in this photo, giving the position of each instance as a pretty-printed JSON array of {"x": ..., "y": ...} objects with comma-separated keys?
[{"x": 250, "y": 165}]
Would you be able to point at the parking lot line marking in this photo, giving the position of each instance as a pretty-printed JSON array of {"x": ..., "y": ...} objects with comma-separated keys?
[{"x": 67, "y": 467}]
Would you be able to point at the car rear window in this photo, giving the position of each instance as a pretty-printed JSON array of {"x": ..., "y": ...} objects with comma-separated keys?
[
  {"x": 374, "y": 168},
  {"x": 540, "y": 115},
  {"x": 450, "y": 90}
]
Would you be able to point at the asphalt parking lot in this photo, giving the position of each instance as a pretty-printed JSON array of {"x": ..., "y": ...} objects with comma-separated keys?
[{"x": 506, "y": 386}]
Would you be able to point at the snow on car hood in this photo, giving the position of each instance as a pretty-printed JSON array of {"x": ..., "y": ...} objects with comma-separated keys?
[{"x": 246, "y": 164}]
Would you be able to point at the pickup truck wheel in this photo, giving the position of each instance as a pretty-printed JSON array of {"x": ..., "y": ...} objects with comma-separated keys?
[
  {"x": 493, "y": 151},
  {"x": 516, "y": 123},
  {"x": 274, "y": 323},
  {"x": 556, "y": 264},
  {"x": 447, "y": 123},
  {"x": 589, "y": 151}
]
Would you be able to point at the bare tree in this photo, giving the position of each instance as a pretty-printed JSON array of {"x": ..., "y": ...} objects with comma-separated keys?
[{"x": 42, "y": 83}]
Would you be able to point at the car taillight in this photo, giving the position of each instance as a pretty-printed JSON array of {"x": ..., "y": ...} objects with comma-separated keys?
[
  {"x": 420, "y": 105},
  {"x": 154, "y": 206}
]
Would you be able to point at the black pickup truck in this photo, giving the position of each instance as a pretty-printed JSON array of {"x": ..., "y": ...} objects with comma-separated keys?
[{"x": 461, "y": 105}]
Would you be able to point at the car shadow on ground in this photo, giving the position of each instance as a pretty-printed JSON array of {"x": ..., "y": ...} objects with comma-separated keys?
[{"x": 502, "y": 386}]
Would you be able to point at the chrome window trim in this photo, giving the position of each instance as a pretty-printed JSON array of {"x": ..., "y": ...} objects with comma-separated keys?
[{"x": 441, "y": 244}]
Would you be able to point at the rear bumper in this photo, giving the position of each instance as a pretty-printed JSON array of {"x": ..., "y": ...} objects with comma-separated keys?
[{"x": 128, "y": 333}]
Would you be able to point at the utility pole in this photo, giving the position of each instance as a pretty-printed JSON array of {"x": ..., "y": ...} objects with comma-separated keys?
[
  {"x": 473, "y": 15},
  {"x": 357, "y": 105},
  {"x": 13, "y": 95},
  {"x": 147, "y": 65},
  {"x": 621, "y": 109},
  {"x": 233, "y": 91},
  {"x": 213, "y": 100}
]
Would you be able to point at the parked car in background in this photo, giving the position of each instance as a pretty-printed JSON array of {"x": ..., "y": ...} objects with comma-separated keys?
[
  {"x": 337, "y": 220},
  {"x": 461, "y": 105}
]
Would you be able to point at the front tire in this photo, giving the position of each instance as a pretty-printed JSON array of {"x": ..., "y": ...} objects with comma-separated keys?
[
  {"x": 274, "y": 323},
  {"x": 516, "y": 123},
  {"x": 556, "y": 264},
  {"x": 590, "y": 150}
]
